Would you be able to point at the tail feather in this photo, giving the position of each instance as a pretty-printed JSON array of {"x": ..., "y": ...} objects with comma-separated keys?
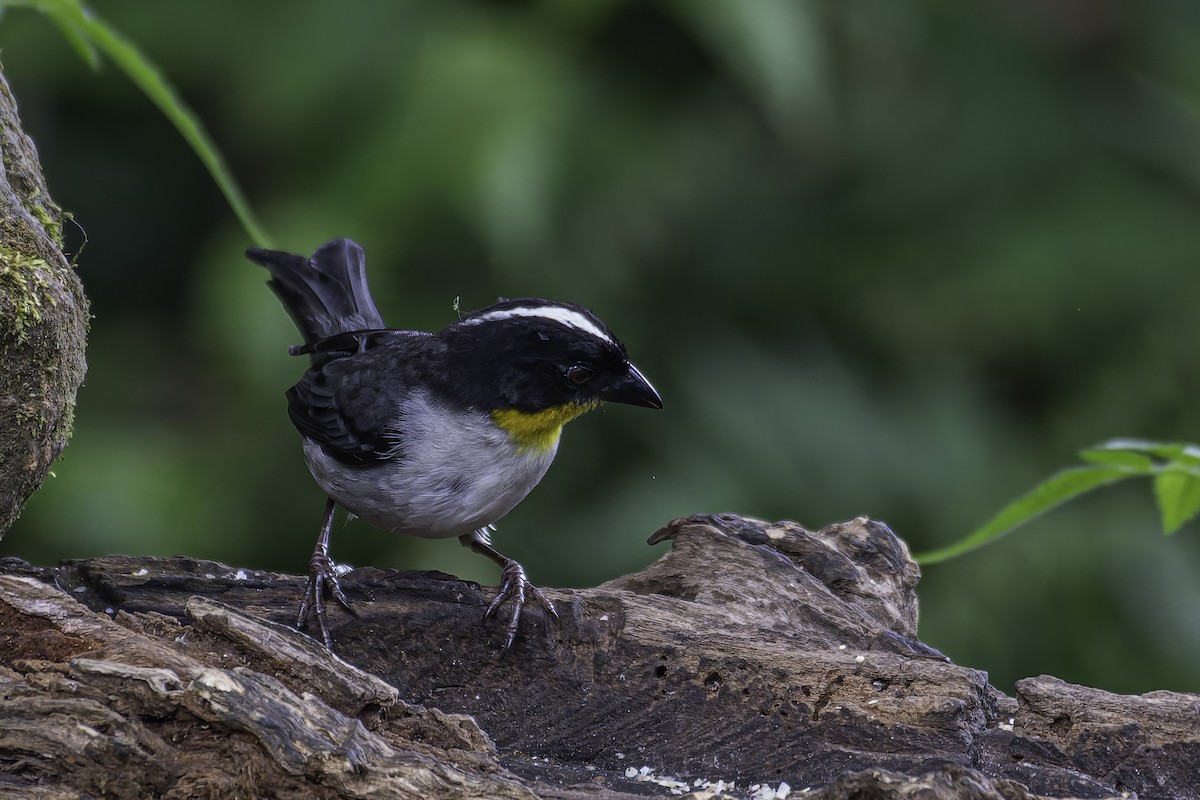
[{"x": 324, "y": 295}]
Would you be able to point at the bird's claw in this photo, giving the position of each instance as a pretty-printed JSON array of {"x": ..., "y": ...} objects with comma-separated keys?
[
  {"x": 516, "y": 587},
  {"x": 322, "y": 583}
]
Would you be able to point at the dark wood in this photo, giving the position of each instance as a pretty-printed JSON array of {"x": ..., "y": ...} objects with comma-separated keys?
[{"x": 751, "y": 653}]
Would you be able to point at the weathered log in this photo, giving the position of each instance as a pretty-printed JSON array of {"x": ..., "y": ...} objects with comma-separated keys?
[{"x": 751, "y": 655}]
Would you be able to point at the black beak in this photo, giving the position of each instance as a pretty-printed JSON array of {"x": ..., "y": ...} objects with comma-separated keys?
[{"x": 631, "y": 388}]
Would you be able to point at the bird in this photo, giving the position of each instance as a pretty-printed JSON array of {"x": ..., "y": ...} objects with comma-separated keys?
[{"x": 435, "y": 434}]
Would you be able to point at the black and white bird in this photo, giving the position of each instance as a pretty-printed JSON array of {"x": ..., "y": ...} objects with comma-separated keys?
[{"x": 441, "y": 434}]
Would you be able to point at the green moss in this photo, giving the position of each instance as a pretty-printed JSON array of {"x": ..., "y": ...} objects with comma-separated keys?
[
  {"x": 50, "y": 216},
  {"x": 24, "y": 285}
]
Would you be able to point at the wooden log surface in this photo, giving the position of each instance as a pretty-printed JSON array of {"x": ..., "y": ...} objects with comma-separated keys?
[{"x": 753, "y": 659}]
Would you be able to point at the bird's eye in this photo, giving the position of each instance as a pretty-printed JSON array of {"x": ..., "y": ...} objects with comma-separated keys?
[{"x": 579, "y": 375}]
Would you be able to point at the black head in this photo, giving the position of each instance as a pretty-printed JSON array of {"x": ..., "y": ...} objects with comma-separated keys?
[{"x": 531, "y": 355}]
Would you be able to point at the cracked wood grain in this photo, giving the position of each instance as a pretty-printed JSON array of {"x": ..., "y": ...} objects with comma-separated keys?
[{"x": 753, "y": 653}]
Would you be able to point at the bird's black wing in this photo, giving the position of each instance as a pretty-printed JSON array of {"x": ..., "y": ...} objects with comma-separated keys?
[{"x": 350, "y": 404}]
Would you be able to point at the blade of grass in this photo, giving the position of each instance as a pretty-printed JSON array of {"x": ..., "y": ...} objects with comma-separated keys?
[
  {"x": 87, "y": 31},
  {"x": 77, "y": 39}
]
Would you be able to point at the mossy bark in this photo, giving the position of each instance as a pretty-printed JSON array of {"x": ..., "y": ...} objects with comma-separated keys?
[{"x": 43, "y": 321}]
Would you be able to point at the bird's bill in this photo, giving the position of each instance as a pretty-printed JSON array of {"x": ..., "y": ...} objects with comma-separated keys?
[{"x": 632, "y": 389}]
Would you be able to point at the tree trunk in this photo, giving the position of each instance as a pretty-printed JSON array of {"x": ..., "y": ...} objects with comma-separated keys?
[
  {"x": 750, "y": 656},
  {"x": 43, "y": 321}
]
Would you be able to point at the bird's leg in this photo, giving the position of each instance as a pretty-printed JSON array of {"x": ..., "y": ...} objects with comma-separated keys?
[
  {"x": 322, "y": 581},
  {"x": 514, "y": 585}
]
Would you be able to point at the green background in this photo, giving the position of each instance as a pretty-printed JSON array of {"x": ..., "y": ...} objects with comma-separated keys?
[{"x": 890, "y": 259}]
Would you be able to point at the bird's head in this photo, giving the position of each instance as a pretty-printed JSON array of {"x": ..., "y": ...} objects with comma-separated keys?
[{"x": 536, "y": 364}]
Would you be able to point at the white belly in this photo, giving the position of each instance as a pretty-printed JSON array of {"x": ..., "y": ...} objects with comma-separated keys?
[{"x": 450, "y": 479}]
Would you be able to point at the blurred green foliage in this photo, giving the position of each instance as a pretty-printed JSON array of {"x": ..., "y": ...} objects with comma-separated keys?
[{"x": 890, "y": 259}]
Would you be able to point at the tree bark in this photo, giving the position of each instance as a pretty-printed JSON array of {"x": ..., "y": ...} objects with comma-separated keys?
[
  {"x": 43, "y": 321},
  {"x": 750, "y": 656}
]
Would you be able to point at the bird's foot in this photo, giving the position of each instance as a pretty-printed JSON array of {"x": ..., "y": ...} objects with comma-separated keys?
[
  {"x": 322, "y": 583},
  {"x": 515, "y": 587}
]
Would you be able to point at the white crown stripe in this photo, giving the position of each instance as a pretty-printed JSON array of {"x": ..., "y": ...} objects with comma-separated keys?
[{"x": 565, "y": 316}]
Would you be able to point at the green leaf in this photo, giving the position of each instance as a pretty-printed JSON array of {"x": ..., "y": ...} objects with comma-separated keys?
[
  {"x": 1129, "y": 460},
  {"x": 1052, "y": 492},
  {"x": 1181, "y": 452},
  {"x": 1178, "y": 496}
]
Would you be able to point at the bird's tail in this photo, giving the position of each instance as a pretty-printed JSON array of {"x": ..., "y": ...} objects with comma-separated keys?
[{"x": 325, "y": 295}]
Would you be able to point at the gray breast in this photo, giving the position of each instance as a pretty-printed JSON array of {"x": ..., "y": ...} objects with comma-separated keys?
[{"x": 454, "y": 473}]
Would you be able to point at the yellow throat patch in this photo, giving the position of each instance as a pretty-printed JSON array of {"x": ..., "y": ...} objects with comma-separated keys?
[{"x": 538, "y": 431}]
